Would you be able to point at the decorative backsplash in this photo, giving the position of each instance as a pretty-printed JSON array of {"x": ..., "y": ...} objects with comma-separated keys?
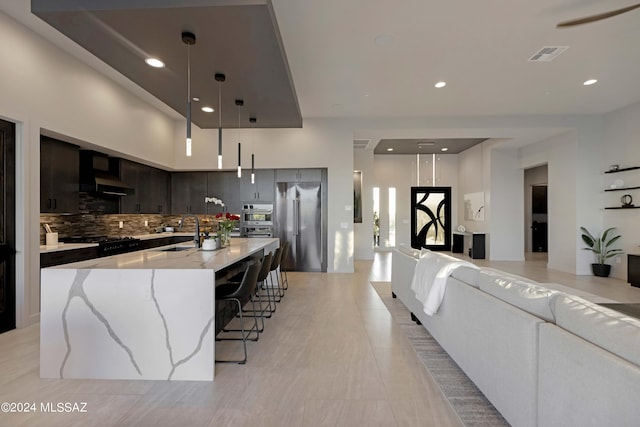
[{"x": 94, "y": 225}]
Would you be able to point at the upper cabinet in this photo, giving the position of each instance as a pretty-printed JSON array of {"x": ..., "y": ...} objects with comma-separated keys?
[
  {"x": 299, "y": 175},
  {"x": 59, "y": 176},
  {"x": 152, "y": 188},
  {"x": 188, "y": 190},
  {"x": 262, "y": 191}
]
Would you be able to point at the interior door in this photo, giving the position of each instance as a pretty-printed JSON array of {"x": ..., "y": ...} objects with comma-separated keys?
[{"x": 7, "y": 227}]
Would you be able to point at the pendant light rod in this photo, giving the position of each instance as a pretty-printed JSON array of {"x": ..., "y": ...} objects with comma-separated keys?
[
  {"x": 239, "y": 103},
  {"x": 252, "y": 120},
  {"x": 189, "y": 39},
  {"x": 220, "y": 78}
]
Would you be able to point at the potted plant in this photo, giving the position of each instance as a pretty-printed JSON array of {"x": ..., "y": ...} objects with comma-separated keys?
[{"x": 600, "y": 246}]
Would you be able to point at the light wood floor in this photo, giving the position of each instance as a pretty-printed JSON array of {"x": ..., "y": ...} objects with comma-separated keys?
[{"x": 330, "y": 356}]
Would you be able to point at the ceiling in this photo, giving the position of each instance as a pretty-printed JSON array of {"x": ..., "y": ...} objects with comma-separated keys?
[
  {"x": 426, "y": 146},
  {"x": 240, "y": 39},
  {"x": 380, "y": 59}
]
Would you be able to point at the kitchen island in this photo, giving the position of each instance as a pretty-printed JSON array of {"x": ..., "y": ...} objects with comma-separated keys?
[{"x": 141, "y": 315}]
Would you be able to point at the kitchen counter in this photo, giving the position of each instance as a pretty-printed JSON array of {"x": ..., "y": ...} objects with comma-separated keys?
[
  {"x": 66, "y": 247},
  {"x": 146, "y": 315}
]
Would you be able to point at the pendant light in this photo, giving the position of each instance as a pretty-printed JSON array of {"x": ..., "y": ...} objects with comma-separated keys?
[
  {"x": 239, "y": 103},
  {"x": 189, "y": 39},
  {"x": 252, "y": 120},
  {"x": 220, "y": 78}
]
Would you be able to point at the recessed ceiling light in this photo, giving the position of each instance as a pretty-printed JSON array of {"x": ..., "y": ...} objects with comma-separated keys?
[
  {"x": 366, "y": 95},
  {"x": 389, "y": 149},
  {"x": 208, "y": 109},
  {"x": 154, "y": 62},
  {"x": 590, "y": 82},
  {"x": 195, "y": 99},
  {"x": 444, "y": 149},
  {"x": 440, "y": 84}
]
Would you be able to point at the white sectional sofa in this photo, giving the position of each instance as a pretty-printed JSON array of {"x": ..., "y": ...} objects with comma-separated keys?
[{"x": 541, "y": 357}]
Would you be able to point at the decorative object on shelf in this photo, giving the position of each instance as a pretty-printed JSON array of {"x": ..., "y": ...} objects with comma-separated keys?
[
  {"x": 600, "y": 246},
  {"x": 461, "y": 228},
  {"x": 189, "y": 39},
  {"x": 226, "y": 223},
  {"x": 622, "y": 169},
  {"x": 613, "y": 168},
  {"x": 626, "y": 200}
]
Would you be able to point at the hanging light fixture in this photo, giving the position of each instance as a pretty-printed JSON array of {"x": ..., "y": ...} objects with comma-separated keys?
[
  {"x": 189, "y": 39},
  {"x": 252, "y": 120},
  {"x": 239, "y": 103},
  {"x": 220, "y": 78}
]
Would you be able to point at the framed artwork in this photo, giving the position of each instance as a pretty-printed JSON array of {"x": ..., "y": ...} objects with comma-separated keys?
[
  {"x": 431, "y": 218},
  {"x": 474, "y": 207}
]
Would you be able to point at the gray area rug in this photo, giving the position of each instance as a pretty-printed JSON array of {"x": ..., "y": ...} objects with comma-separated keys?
[{"x": 469, "y": 403}]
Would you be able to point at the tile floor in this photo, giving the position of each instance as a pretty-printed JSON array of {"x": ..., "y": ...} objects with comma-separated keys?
[{"x": 330, "y": 356}]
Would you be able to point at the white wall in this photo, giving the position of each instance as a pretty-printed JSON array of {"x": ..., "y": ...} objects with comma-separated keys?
[
  {"x": 506, "y": 211},
  {"x": 44, "y": 87},
  {"x": 621, "y": 133},
  {"x": 363, "y": 232}
]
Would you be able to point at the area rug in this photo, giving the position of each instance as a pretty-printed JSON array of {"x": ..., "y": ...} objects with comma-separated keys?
[{"x": 467, "y": 401}]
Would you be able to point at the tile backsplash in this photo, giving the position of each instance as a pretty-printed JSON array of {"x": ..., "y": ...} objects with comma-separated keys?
[{"x": 95, "y": 225}]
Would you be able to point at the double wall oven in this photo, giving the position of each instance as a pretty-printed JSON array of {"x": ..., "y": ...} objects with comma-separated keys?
[{"x": 256, "y": 220}]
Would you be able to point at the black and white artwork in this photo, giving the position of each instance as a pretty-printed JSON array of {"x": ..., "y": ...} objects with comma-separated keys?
[{"x": 431, "y": 218}]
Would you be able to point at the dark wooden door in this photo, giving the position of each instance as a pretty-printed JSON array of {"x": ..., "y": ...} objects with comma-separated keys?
[{"x": 7, "y": 227}]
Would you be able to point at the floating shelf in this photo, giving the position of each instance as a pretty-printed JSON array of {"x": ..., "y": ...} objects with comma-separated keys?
[
  {"x": 623, "y": 207},
  {"x": 622, "y": 189},
  {"x": 623, "y": 169}
]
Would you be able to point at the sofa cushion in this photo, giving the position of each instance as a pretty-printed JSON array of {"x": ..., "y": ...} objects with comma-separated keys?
[
  {"x": 467, "y": 275},
  {"x": 415, "y": 253},
  {"x": 606, "y": 328},
  {"x": 525, "y": 294}
]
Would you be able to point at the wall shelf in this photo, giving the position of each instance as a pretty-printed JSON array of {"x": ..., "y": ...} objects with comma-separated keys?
[
  {"x": 623, "y": 207},
  {"x": 622, "y": 189},
  {"x": 623, "y": 169}
]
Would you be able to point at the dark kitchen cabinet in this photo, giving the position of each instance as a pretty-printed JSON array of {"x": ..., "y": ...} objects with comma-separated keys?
[
  {"x": 49, "y": 259},
  {"x": 59, "y": 176},
  {"x": 262, "y": 191},
  {"x": 224, "y": 185},
  {"x": 188, "y": 190},
  {"x": 152, "y": 188},
  {"x": 299, "y": 175}
]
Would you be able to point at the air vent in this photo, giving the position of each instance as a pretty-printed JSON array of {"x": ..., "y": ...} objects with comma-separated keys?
[
  {"x": 360, "y": 144},
  {"x": 548, "y": 53}
]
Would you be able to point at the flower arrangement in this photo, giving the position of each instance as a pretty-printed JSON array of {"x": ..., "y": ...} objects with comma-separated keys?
[{"x": 226, "y": 223}]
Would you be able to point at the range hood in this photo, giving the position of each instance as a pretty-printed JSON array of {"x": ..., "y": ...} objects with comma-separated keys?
[{"x": 99, "y": 175}]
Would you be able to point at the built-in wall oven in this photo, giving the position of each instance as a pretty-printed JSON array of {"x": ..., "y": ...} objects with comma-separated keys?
[{"x": 256, "y": 220}]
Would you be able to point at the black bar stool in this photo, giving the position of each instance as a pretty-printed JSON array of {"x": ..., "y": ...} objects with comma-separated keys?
[
  {"x": 262, "y": 275},
  {"x": 275, "y": 264},
  {"x": 238, "y": 292},
  {"x": 286, "y": 250}
]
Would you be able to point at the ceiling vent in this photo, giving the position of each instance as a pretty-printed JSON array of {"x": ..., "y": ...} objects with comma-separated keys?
[
  {"x": 360, "y": 144},
  {"x": 548, "y": 53}
]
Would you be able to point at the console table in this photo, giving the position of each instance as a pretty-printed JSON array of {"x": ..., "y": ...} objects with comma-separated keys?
[
  {"x": 633, "y": 270},
  {"x": 477, "y": 250}
]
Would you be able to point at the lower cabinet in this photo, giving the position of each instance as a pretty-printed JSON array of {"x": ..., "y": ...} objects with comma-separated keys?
[{"x": 50, "y": 259}]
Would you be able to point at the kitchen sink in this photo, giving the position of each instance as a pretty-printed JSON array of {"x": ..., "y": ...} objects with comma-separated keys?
[{"x": 176, "y": 249}]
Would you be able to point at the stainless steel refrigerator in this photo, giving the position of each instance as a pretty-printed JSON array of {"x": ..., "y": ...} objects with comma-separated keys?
[{"x": 299, "y": 220}]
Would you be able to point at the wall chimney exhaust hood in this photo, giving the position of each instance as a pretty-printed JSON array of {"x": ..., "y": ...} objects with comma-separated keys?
[{"x": 99, "y": 175}]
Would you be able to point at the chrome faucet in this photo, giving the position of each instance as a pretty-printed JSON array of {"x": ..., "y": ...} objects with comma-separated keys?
[{"x": 196, "y": 238}]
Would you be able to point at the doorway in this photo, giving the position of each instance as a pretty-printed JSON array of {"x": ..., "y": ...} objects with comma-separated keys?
[
  {"x": 536, "y": 216},
  {"x": 7, "y": 226}
]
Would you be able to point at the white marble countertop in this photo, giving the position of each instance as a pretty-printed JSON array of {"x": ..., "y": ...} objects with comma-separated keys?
[{"x": 191, "y": 258}]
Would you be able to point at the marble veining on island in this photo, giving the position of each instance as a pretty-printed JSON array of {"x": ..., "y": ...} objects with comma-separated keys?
[{"x": 146, "y": 315}]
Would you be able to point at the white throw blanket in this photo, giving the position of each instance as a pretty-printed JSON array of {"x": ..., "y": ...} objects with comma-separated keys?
[{"x": 430, "y": 278}]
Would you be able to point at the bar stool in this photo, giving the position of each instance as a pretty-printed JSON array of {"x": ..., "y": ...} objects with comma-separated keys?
[
  {"x": 262, "y": 275},
  {"x": 275, "y": 264},
  {"x": 286, "y": 250},
  {"x": 238, "y": 292}
]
